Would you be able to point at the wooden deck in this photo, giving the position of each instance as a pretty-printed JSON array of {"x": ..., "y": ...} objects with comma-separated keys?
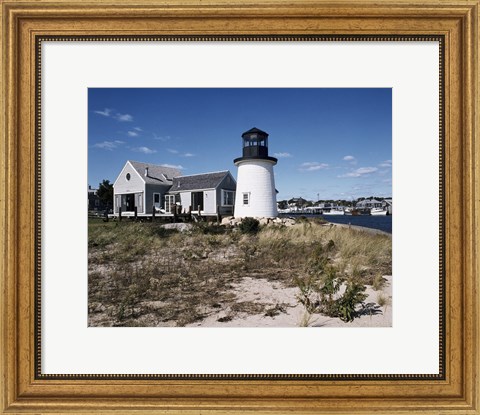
[
  {"x": 141, "y": 215},
  {"x": 192, "y": 215},
  {"x": 164, "y": 217}
]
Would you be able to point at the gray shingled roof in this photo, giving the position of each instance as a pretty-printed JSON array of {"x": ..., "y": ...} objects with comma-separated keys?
[
  {"x": 198, "y": 181},
  {"x": 155, "y": 172}
]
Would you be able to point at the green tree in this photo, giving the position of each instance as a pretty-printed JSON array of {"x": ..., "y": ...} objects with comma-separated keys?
[
  {"x": 105, "y": 192},
  {"x": 249, "y": 225},
  {"x": 283, "y": 204}
]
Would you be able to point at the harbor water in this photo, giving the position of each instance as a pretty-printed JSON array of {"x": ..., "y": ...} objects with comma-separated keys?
[{"x": 380, "y": 222}]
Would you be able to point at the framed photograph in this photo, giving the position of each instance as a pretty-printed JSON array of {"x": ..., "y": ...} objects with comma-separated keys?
[
  {"x": 232, "y": 257},
  {"x": 238, "y": 248}
]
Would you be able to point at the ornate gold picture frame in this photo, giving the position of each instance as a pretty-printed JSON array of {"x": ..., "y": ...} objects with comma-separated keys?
[{"x": 454, "y": 24}]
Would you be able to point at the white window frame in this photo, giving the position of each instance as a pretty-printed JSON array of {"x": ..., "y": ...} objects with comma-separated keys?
[
  {"x": 169, "y": 203},
  {"x": 248, "y": 198},
  {"x": 224, "y": 193}
]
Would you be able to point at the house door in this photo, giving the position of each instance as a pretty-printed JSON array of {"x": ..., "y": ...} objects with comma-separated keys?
[
  {"x": 156, "y": 201},
  {"x": 197, "y": 200},
  {"x": 129, "y": 202},
  {"x": 139, "y": 204}
]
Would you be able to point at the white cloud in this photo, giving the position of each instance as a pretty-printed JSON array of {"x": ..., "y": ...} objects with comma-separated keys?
[
  {"x": 161, "y": 138},
  {"x": 124, "y": 117},
  {"x": 138, "y": 129},
  {"x": 313, "y": 166},
  {"x": 351, "y": 160},
  {"x": 144, "y": 150},
  {"x": 360, "y": 172},
  {"x": 365, "y": 170},
  {"x": 171, "y": 150},
  {"x": 106, "y": 112},
  {"x": 282, "y": 155},
  {"x": 173, "y": 166},
  {"x": 132, "y": 134},
  {"x": 188, "y": 155},
  {"x": 386, "y": 163},
  {"x": 108, "y": 145}
]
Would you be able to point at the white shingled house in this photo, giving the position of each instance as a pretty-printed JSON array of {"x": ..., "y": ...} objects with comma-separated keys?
[
  {"x": 142, "y": 185},
  {"x": 147, "y": 186}
]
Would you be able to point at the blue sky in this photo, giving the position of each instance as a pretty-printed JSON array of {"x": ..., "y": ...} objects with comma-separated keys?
[{"x": 330, "y": 143}]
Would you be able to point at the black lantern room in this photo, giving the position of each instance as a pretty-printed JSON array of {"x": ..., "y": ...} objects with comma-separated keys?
[{"x": 255, "y": 145}]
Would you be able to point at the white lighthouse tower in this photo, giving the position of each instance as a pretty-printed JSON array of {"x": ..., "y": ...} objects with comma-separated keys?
[{"x": 256, "y": 194}]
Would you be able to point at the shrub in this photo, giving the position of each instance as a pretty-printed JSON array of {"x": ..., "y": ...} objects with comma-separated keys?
[
  {"x": 330, "y": 245},
  {"x": 305, "y": 285},
  {"x": 347, "y": 303},
  {"x": 319, "y": 290},
  {"x": 159, "y": 231},
  {"x": 331, "y": 284},
  {"x": 249, "y": 225},
  {"x": 205, "y": 228}
]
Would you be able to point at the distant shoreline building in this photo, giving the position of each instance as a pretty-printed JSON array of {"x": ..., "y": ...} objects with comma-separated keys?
[{"x": 256, "y": 194}]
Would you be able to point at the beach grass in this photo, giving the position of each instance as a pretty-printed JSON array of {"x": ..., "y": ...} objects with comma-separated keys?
[{"x": 141, "y": 274}]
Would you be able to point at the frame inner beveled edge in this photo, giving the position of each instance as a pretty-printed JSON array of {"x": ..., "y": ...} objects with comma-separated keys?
[{"x": 235, "y": 38}]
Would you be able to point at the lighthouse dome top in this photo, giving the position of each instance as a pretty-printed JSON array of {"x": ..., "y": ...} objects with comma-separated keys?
[
  {"x": 254, "y": 130},
  {"x": 255, "y": 146}
]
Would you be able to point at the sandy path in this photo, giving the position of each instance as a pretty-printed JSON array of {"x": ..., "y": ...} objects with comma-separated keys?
[{"x": 292, "y": 314}]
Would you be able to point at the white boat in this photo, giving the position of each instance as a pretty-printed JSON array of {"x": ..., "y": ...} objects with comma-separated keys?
[
  {"x": 334, "y": 212},
  {"x": 378, "y": 211}
]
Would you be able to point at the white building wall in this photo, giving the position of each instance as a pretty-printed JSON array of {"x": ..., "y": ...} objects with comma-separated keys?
[
  {"x": 122, "y": 186},
  {"x": 185, "y": 200},
  {"x": 135, "y": 185},
  {"x": 256, "y": 177},
  {"x": 209, "y": 203}
]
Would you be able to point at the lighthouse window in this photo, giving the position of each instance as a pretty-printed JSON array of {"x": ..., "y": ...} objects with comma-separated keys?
[{"x": 246, "y": 199}]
